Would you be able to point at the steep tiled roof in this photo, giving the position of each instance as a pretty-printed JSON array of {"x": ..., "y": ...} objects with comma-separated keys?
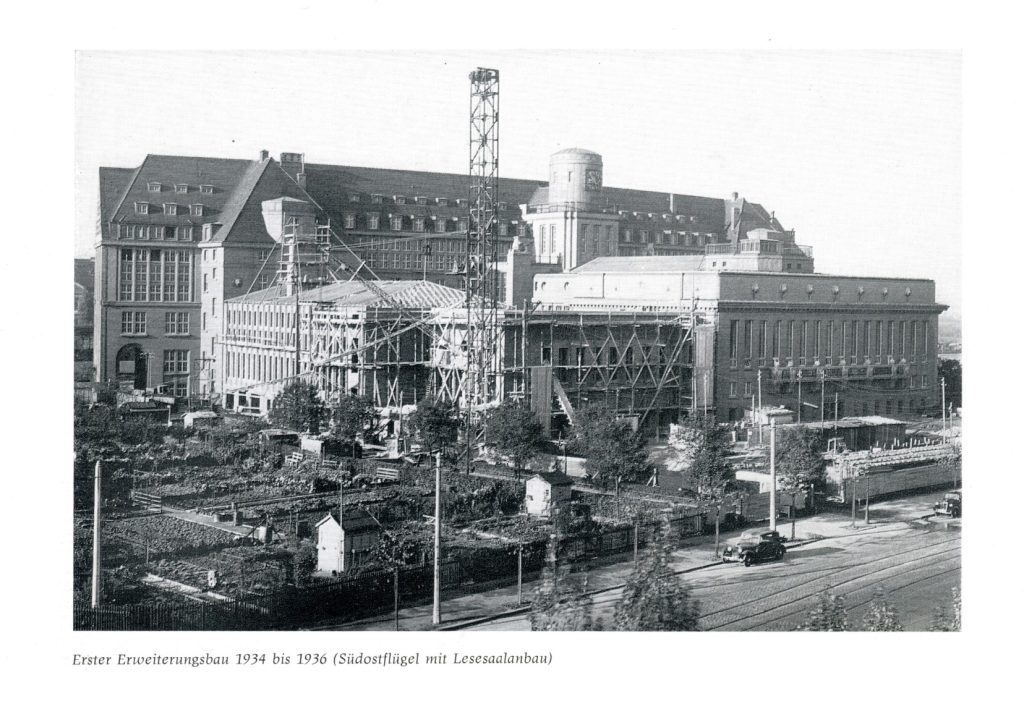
[
  {"x": 331, "y": 186},
  {"x": 409, "y": 294},
  {"x": 113, "y": 183},
  {"x": 223, "y": 175}
]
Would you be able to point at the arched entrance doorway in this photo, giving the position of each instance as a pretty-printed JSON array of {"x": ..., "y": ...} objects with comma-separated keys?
[{"x": 131, "y": 367}]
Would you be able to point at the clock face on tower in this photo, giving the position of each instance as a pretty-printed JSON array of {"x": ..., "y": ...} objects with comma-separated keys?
[{"x": 593, "y": 180}]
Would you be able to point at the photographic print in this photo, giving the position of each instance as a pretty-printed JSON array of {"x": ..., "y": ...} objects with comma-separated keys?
[{"x": 517, "y": 341}]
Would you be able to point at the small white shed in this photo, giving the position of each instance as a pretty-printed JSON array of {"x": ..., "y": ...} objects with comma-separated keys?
[
  {"x": 545, "y": 492},
  {"x": 358, "y": 536},
  {"x": 201, "y": 419}
]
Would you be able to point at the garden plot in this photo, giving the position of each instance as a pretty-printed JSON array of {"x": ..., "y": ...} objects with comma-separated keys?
[{"x": 170, "y": 536}]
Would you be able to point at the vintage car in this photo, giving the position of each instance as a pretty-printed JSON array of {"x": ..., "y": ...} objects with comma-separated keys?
[
  {"x": 951, "y": 504},
  {"x": 752, "y": 548}
]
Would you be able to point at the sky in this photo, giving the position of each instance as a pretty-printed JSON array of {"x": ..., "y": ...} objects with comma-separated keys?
[{"x": 859, "y": 152}]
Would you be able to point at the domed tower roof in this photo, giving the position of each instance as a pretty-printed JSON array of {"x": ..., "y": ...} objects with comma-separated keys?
[{"x": 576, "y": 151}]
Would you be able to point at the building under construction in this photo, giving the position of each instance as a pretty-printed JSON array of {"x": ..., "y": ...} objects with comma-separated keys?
[{"x": 477, "y": 288}]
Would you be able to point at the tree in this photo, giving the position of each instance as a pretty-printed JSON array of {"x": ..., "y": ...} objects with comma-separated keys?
[
  {"x": 654, "y": 598},
  {"x": 828, "y": 615},
  {"x": 435, "y": 423},
  {"x": 515, "y": 433},
  {"x": 304, "y": 562},
  {"x": 704, "y": 449},
  {"x": 560, "y": 603},
  {"x": 350, "y": 416},
  {"x": 881, "y": 616},
  {"x": 952, "y": 371},
  {"x": 612, "y": 448},
  {"x": 799, "y": 464},
  {"x": 948, "y": 620},
  {"x": 298, "y": 407}
]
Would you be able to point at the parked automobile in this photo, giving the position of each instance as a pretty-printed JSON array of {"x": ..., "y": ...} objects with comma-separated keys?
[
  {"x": 756, "y": 547},
  {"x": 951, "y": 504}
]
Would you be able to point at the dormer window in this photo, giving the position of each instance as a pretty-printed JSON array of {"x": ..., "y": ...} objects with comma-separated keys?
[
  {"x": 350, "y": 221},
  {"x": 373, "y": 221},
  {"x": 142, "y": 207},
  {"x": 462, "y": 202},
  {"x": 421, "y": 200},
  {"x": 206, "y": 189},
  {"x": 377, "y": 198},
  {"x": 196, "y": 210},
  {"x": 502, "y": 229},
  {"x": 181, "y": 189},
  {"x": 441, "y": 225},
  {"x": 502, "y": 205},
  {"x": 154, "y": 186},
  {"x": 353, "y": 198},
  {"x": 171, "y": 209},
  {"x": 396, "y": 222},
  {"x": 442, "y": 201},
  {"x": 399, "y": 199},
  {"x": 418, "y": 224},
  {"x": 207, "y": 232}
]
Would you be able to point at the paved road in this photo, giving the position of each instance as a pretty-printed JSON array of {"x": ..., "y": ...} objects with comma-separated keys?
[{"x": 917, "y": 564}]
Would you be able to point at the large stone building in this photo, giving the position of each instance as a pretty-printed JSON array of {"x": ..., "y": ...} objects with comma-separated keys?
[{"x": 654, "y": 303}]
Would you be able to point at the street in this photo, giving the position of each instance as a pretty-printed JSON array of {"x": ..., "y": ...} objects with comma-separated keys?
[{"x": 916, "y": 561}]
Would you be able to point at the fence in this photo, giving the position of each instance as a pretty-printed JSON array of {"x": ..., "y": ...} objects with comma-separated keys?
[{"x": 466, "y": 571}]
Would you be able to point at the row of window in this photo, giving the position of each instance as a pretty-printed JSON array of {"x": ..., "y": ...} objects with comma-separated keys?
[
  {"x": 457, "y": 246},
  {"x": 155, "y": 275},
  {"x": 371, "y": 221},
  {"x": 435, "y": 262},
  {"x": 671, "y": 238},
  {"x": 827, "y": 339},
  {"x": 152, "y": 232},
  {"x": 133, "y": 322},
  {"x": 179, "y": 188},
  {"x": 355, "y": 198},
  {"x": 169, "y": 208}
]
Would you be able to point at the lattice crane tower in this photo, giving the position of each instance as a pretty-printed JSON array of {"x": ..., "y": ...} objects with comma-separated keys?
[{"x": 481, "y": 241}]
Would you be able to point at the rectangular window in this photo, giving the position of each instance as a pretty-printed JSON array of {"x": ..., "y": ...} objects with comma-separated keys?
[
  {"x": 185, "y": 233},
  {"x": 627, "y": 236},
  {"x": 563, "y": 356},
  {"x": 350, "y": 221},
  {"x": 377, "y": 198},
  {"x": 777, "y": 340},
  {"x": 396, "y": 223},
  {"x": 196, "y": 210},
  {"x": 643, "y": 236},
  {"x": 418, "y": 224},
  {"x": 181, "y": 189},
  {"x": 733, "y": 336},
  {"x": 133, "y": 323},
  {"x": 792, "y": 339},
  {"x": 845, "y": 344},
  {"x": 748, "y": 338},
  {"x": 829, "y": 352},
  {"x": 170, "y": 209},
  {"x": 154, "y": 186},
  {"x": 892, "y": 337},
  {"x": 176, "y": 323},
  {"x": 264, "y": 281},
  {"x": 903, "y": 338},
  {"x": 878, "y": 338},
  {"x": 924, "y": 349},
  {"x": 206, "y": 189},
  {"x": 142, "y": 207},
  {"x": 732, "y": 390},
  {"x": 817, "y": 339},
  {"x": 441, "y": 225},
  {"x": 353, "y": 198},
  {"x": 763, "y": 344},
  {"x": 856, "y": 339},
  {"x": 805, "y": 339},
  {"x": 924, "y": 381},
  {"x": 206, "y": 283},
  {"x": 373, "y": 221},
  {"x": 748, "y": 389}
]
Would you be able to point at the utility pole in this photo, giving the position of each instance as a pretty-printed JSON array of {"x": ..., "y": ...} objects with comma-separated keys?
[
  {"x": 760, "y": 422},
  {"x": 943, "y": 382},
  {"x": 853, "y": 499},
  {"x": 823, "y": 398},
  {"x": 867, "y": 500},
  {"x": 799, "y": 395},
  {"x": 771, "y": 496},
  {"x": 835, "y": 424},
  {"x": 520, "y": 575},
  {"x": 341, "y": 516},
  {"x": 97, "y": 554},
  {"x": 437, "y": 539},
  {"x": 705, "y": 393}
]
